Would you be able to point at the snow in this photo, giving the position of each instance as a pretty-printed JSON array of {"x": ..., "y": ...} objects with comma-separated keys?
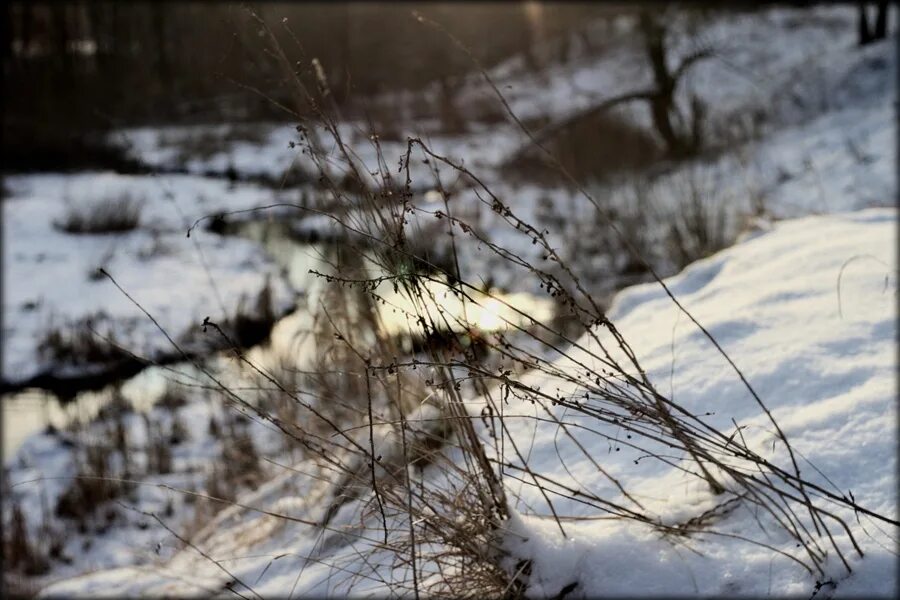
[
  {"x": 810, "y": 66},
  {"x": 773, "y": 302},
  {"x": 804, "y": 303},
  {"x": 279, "y": 152},
  {"x": 754, "y": 69},
  {"x": 842, "y": 160},
  {"x": 180, "y": 280},
  {"x": 43, "y": 467},
  {"x": 261, "y": 153},
  {"x": 791, "y": 65}
]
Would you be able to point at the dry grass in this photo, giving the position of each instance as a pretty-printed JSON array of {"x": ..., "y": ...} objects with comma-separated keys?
[
  {"x": 21, "y": 553},
  {"x": 450, "y": 521},
  {"x": 598, "y": 146},
  {"x": 393, "y": 432},
  {"x": 700, "y": 226},
  {"x": 81, "y": 342},
  {"x": 95, "y": 483},
  {"x": 116, "y": 214},
  {"x": 405, "y": 463}
]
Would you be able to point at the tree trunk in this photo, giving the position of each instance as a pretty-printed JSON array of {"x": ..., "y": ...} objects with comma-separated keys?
[
  {"x": 862, "y": 21},
  {"x": 451, "y": 120},
  {"x": 662, "y": 103},
  {"x": 162, "y": 60},
  {"x": 586, "y": 43},
  {"x": 61, "y": 38},
  {"x": 881, "y": 22},
  {"x": 7, "y": 33},
  {"x": 345, "y": 54}
]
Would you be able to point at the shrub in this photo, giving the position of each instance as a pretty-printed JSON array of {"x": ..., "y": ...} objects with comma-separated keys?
[
  {"x": 115, "y": 214},
  {"x": 595, "y": 145},
  {"x": 700, "y": 224},
  {"x": 79, "y": 343},
  {"x": 158, "y": 450},
  {"x": 453, "y": 521},
  {"x": 172, "y": 398},
  {"x": 20, "y": 551},
  {"x": 94, "y": 484}
]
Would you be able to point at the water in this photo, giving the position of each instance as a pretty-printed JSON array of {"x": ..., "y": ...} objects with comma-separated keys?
[{"x": 291, "y": 341}]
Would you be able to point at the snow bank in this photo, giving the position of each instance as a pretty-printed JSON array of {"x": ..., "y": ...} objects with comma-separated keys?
[{"x": 821, "y": 356}]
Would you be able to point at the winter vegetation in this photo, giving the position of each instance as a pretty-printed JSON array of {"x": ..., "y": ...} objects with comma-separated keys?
[{"x": 603, "y": 307}]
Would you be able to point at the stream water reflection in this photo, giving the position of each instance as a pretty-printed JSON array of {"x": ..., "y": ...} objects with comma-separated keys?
[{"x": 291, "y": 341}]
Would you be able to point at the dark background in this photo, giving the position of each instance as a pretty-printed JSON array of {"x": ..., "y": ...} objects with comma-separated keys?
[{"x": 71, "y": 69}]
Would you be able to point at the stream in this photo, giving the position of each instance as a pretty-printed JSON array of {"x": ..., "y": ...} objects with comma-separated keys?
[{"x": 297, "y": 254}]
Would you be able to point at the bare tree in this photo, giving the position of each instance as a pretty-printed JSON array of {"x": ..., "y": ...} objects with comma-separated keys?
[
  {"x": 681, "y": 136},
  {"x": 680, "y": 130}
]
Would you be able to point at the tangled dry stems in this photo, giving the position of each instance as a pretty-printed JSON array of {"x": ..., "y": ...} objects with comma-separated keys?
[
  {"x": 393, "y": 433},
  {"x": 432, "y": 490},
  {"x": 115, "y": 214},
  {"x": 616, "y": 393}
]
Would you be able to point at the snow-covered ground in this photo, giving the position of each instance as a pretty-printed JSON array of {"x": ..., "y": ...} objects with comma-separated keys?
[
  {"x": 826, "y": 143},
  {"x": 277, "y": 154},
  {"x": 842, "y": 160},
  {"x": 807, "y": 311},
  {"x": 790, "y": 66},
  {"x": 50, "y": 274},
  {"x": 194, "y": 435},
  {"x": 806, "y": 307},
  {"x": 823, "y": 360}
]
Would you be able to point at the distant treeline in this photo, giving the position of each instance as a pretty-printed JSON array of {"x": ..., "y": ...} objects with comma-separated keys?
[{"x": 69, "y": 68}]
